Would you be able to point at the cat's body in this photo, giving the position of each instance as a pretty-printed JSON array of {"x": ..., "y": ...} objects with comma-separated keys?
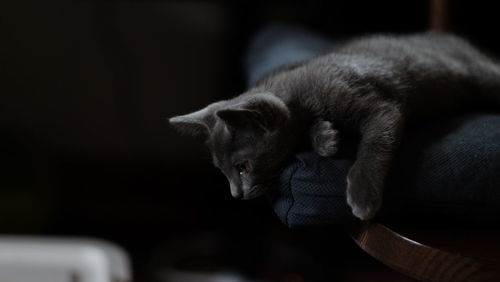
[
  {"x": 425, "y": 74},
  {"x": 372, "y": 86}
]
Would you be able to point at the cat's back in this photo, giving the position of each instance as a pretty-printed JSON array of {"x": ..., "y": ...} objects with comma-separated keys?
[
  {"x": 396, "y": 45},
  {"x": 399, "y": 66},
  {"x": 427, "y": 50}
]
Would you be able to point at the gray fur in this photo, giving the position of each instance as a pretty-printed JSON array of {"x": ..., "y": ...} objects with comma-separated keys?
[{"x": 373, "y": 86}]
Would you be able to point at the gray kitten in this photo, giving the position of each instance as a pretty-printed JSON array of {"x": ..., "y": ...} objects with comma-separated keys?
[{"x": 373, "y": 86}]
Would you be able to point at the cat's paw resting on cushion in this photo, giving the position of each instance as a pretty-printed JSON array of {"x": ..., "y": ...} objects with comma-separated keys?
[{"x": 324, "y": 138}]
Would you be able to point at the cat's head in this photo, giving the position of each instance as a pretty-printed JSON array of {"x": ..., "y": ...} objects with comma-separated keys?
[{"x": 247, "y": 137}]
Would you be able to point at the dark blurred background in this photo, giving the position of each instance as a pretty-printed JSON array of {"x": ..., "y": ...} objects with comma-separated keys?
[{"x": 85, "y": 150}]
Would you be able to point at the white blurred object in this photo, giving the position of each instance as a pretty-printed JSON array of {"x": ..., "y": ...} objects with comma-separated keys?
[
  {"x": 39, "y": 259},
  {"x": 186, "y": 276}
]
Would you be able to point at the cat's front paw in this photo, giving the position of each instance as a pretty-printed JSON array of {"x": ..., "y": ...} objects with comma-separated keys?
[
  {"x": 324, "y": 138},
  {"x": 363, "y": 197}
]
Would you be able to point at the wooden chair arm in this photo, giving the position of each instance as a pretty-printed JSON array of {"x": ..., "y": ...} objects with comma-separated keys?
[{"x": 417, "y": 260}]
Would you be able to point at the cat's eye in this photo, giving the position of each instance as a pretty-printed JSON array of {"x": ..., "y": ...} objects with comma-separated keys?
[{"x": 243, "y": 167}]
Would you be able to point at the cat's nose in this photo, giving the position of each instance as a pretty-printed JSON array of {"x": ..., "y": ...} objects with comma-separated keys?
[
  {"x": 236, "y": 192},
  {"x": 237, "y": 195}
]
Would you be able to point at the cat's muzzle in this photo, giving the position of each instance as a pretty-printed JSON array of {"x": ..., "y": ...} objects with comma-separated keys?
[{"x": 254, "y": 192}]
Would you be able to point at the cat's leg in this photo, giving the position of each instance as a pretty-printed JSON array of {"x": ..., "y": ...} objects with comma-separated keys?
[
  {"x": 324, "y": 138},
  {"x": 380, "y": 136}
]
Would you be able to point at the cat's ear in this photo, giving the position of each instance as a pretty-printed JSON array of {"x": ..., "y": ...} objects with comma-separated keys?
[
  {"x": 259, "y": 111},
  {"x": 199, "y": 123}
]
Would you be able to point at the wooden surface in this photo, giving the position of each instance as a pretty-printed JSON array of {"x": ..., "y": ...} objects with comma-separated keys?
[
  {"x": 420, "y": 261},
  {"x": 439, "y": 15}
]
